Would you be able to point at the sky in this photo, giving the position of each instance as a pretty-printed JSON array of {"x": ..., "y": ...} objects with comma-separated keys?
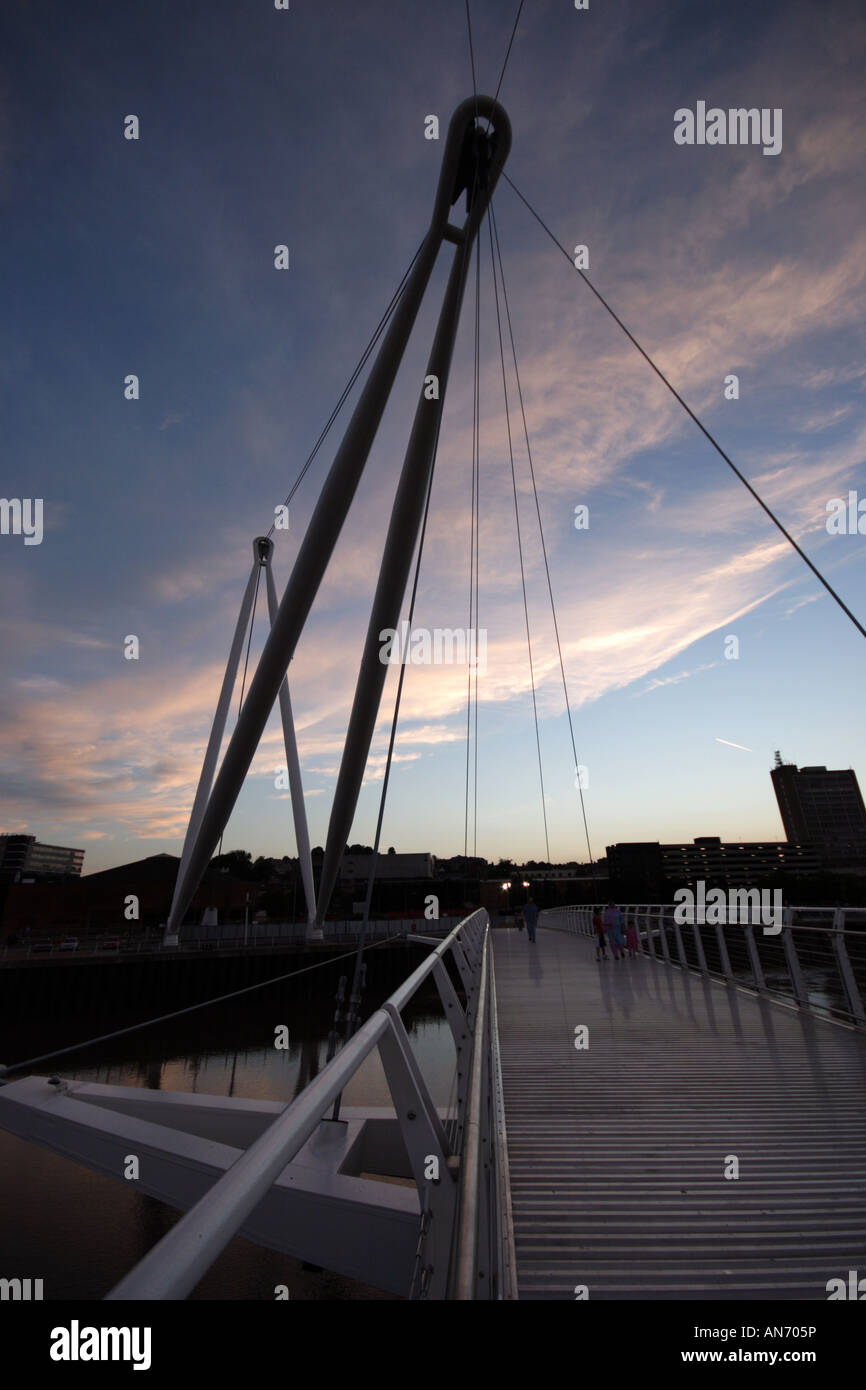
[{"x": 260, "y": 127}]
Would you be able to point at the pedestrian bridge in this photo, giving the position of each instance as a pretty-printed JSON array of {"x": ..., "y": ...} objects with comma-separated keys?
[
  {"x": 689, "y": 1123},
  {"x": 622, "y": 1153}
]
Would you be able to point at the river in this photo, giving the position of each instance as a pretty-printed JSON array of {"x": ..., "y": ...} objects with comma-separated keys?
[{"x": 80, "y": 1231}]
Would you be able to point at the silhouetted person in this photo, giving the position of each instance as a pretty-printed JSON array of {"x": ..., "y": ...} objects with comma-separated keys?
[
  {"x": 530, "y": 917},
  {"x": 600, "y": 939},
  {"x": 613, "y": 927},
  {"x": 631, "y": 940}
]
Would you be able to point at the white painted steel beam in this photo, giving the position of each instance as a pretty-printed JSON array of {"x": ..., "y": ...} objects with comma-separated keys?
[
  {"x": 213, "y": 746},
  {"x": 342, "y": 481},
  {"x": 317, "y": 1208},
  {"x": 296, "y": 788}
]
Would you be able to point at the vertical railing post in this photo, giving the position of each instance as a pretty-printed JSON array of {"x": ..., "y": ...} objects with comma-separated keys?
[
  {"x": 650, "y": 934},
  {"x": 681, "y": 950},
  {"x": 723, "y": 951},
  {"x": 663, "y": 935},
  {"x": 462, "y": 1042},
  {"x": 798, "y": 985},
  {"x": 754, "y": 958},
  {"x": 699, "y": 946},
  {"x": 646, "y": 923},
  {"x": 849, "y": 981},
  {"x": 424, "y": 1138}
]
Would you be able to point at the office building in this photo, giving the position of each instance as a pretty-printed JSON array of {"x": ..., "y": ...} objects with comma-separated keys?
[
  {"x": 24, "y": 857},
  {"x": 823, "y": 807},
  {"x": 649, "y": 870}
]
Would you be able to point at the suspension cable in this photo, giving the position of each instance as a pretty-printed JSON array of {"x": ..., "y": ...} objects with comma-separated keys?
[
  {"x": 475, "y": 526},
  {"x": 477, "y": 551},
  {"x": 541, "y": 530},
  {"x": 377, "y": 333},
  {"x": 472, "y": 58},
  {"x": 675, "y": 393},
  {"x": 508, "y": 51},
  {"x": 472, "y": 542},
  {"x": 519, "y": 541},
  {"x": 176, "y": 1013}
]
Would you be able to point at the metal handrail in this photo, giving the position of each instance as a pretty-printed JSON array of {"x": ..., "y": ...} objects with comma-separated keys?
[
  {"x": 179, "y": 1260},
  {"x": 176, "y": 1263},
  {"x": 654, "y": 920},
  {"x": 644, "y": 909},
  {"x": 470, "y": 1169},
  {"x": 506, "y": 1256},
  {"x": 484, "y": 1260},
  {"x": 262, "y": 938}
]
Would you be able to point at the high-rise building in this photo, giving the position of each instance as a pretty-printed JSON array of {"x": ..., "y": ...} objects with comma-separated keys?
[{"x": 823, "y": 808}]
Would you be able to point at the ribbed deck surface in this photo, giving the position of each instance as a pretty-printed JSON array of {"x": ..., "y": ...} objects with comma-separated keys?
[{"x": 617, "y": 1153}]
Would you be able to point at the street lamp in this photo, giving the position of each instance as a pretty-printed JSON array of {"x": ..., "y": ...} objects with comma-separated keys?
[{"x": 505, "y": 889}]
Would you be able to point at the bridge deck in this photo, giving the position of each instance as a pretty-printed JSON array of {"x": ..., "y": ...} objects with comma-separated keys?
[{"x": 617, "y": 1153}]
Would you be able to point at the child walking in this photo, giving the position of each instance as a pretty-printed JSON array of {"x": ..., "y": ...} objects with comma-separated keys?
[
  {"x": 631, "y": 940},
  {"x": 600, "y": 941}
]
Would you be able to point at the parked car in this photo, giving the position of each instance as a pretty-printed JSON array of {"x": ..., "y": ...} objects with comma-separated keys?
[
  {"x": 110, "y": 943},
  {"x": 69, "y": 943},
  {"x": 41, "y": 946}
]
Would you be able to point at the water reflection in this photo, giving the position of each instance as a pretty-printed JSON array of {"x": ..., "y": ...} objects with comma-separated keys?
[{"x": 81, "y": 1232}]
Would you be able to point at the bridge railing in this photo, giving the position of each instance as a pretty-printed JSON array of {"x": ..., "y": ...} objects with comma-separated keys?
[
  {"x": 464, "y": 1246},
  {"x": 814, "y": 957},
  {"x": 257, "y": 935}
]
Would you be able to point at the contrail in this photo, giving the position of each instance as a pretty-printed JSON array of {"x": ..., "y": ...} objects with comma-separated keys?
[{"x": 734, "y": 745}]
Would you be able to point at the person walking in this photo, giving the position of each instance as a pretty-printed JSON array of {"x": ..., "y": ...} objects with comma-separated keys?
[
  {"x": 600, "y": 939},
  {"x": 631, "y": 940},
  {"x": 530, "y": 917},
  {"x": 613, "y": 926}
]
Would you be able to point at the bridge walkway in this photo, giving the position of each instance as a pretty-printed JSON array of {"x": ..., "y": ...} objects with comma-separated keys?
[{"x": 618, "y": 1152}]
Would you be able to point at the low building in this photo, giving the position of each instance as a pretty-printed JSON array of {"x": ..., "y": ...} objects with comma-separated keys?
[
  {"x": 648, "y": 870},
  {"x": 100, "y": 902},
  {"x": 25, "y": 857},
  {"x": 355, "y": 868}
]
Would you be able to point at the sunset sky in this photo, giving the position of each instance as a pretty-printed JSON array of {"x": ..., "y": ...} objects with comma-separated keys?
[{"x": 156, "y": 257}]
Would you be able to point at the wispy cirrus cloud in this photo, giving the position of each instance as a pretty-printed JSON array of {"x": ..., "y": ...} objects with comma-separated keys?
[{"x": 720, "y": 261}]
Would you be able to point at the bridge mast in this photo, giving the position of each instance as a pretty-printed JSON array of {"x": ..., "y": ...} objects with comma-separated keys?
[{"x": 472, "y": 162}]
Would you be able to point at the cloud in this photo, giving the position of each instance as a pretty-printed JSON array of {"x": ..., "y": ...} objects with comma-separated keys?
[
  {"x": 657, "y": 684},
  {"x": 759, "y": 269},
  {"x": 801, "y": 603},
  {"x": 40, "y": 685}
]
